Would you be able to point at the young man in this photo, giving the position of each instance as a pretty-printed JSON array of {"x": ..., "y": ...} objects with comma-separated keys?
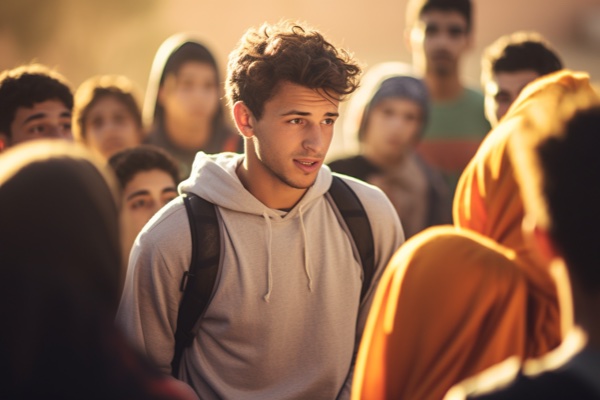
[
  {"x": 509, "y": 64},
  {"x": 439, "y": 33},
  {"x": 148, "y": 178},
  {"x": 35, "y": 102},
  {"x": 557, "y": 164},
  {"x": 286, "y": 315},
  {"x": 391, "y": 125}
]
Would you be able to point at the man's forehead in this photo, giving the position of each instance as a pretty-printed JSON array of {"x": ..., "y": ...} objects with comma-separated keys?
[{"x": 443, "y": 16}]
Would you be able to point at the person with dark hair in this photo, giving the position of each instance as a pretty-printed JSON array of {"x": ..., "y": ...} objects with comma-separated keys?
[
  {"x": 509, "y": 64},
  {"x": 106, "y": 115},
  {"x": 439, "y": 33},
  {"x": 35, "y": 102},
  {"x": 391, "y": 125},
  {"x": 59, "y": 282},
  {"x": 148, "y": 178},
  {"x": 286, "y": 314},
  {"x": 182, "y": 108},
  {"x": 558, "y": 168}
]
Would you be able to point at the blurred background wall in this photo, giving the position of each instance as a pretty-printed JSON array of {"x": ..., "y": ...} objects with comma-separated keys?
[{"x": 81, "y": 38}]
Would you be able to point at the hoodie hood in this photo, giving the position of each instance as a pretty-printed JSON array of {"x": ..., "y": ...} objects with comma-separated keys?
[
  {"x": 214, "y": 178},
  {"x": 151, "y": 110}
]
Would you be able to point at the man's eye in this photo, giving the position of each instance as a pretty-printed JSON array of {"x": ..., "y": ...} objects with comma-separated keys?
[
  {"x": 456, "y": 31},
  {"x": 295, "y": 121},
  {"x": 432, "y": 29},
  {"x": 138, "y": 204},
  {"x": 328, "y": 121},
  {"x": 38, "y": 129}
]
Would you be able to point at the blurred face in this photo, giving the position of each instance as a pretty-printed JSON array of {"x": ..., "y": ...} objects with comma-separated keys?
[
  {"x": 143, "y": 196},
  {"x": 109, "y": 127},
  {"x": 393, "y": 127},
  {"x": 503, "y": 90},
  {"x": 191, "y": 96},
  {"x": 48, "y": 119},
  {"x": 292, "y": 137},
  {"x": 438, "y": 40}
]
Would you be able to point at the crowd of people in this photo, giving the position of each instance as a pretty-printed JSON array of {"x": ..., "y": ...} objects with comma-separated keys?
[{"x": 165, "y": 251}]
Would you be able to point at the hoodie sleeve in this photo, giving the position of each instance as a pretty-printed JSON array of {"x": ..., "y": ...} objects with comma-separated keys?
[
  {"x": 150, "y": 302},
  {"x": 388, "y": 235}
]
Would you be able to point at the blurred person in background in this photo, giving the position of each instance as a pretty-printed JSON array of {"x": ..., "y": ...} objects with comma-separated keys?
[
  {"x": 182, "y": 108},
  {"x": 148, "y": 179},
  {"x": 392, "y": 122},
  {"x": 106, "y": 115},
  {"x": 35, "y": 102},
  {"x": 439, "y": 34},
  {"x": 509, "y": 64},
  {"x": 59, "y": 282}
]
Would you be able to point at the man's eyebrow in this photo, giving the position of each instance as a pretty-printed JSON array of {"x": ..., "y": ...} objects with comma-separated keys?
[
  {"x": 33, "y": 117},
  {"x": 169, "y": 190},
  {"x": 142, "y": 192},
  {"x": 295, "y": 112},
  {"x": 304, "y": 113}
]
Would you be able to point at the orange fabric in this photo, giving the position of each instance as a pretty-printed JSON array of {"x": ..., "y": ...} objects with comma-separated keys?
[
  {"x": 449, "y": 305},
  {"x": 488, "y": 200}
]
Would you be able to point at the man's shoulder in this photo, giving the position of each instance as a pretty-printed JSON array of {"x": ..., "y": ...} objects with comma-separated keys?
[
  {"x": 169, "y": 223},
  {"x": 355, "y": 166},
  {"x": 371, "y": 197},
  {"x": 473, "y": 95}
]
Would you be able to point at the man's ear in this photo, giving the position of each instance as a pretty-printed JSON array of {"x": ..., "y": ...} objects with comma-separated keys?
[
  {"x": 4, "y": 141},
  {"x": 244, "y": 120}
]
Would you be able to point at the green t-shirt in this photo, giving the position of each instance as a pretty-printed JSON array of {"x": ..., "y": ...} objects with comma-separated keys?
[{"x": 453, "y": 134}]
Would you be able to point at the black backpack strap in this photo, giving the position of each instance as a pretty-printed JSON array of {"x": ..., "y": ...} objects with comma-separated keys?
[
  {"x": 355, "y": 216},
  {"x": 198, "y": 282}
]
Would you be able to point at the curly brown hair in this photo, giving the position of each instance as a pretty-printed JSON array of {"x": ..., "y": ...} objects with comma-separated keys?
[{"x": 287, "y": 51}]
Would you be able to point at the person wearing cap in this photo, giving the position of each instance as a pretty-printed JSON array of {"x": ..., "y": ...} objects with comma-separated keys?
[{"x": 391, "y": 124}]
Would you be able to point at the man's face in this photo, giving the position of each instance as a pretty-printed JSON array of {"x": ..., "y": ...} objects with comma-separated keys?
[
  {"x": 48, "y": 119},
  {"x": 142, "y": 197},
  {"x": 191, "y": 96},
  {"x": 503, "y": 90},
  {"x": 110, "y": 127},
  {"x": 393, "y": 127},
  {"x": 438, "y": 40},
  {"x": 292, "y": 137}
]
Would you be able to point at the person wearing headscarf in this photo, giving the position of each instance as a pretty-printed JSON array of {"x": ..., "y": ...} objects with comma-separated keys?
[
  {"x": 182, "y": 109},
  {"x": 488, "y": 200},
  {"x": 391, "y": 125},
  {"x": 60, "y": 282},
  {"x": 449, "y": 305}
]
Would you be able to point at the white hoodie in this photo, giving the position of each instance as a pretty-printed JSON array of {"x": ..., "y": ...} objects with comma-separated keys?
[{"x": 285, "y": 320}]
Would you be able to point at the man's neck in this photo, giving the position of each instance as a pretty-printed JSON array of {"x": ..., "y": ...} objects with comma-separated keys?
[
  {"x": 188, "y": 137},
  {"x": 271, "y": 192},
  {"x": 443, "y": 87}
]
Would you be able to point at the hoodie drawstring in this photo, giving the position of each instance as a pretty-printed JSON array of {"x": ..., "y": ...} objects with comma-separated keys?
[
  {"x": 306, "y": 266},
  {"x": 267, "y": 296}
]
